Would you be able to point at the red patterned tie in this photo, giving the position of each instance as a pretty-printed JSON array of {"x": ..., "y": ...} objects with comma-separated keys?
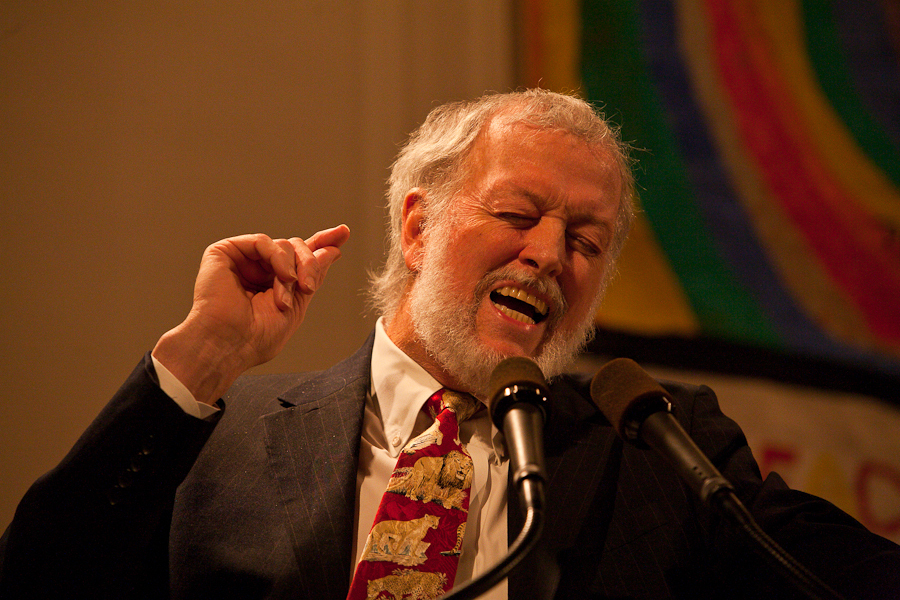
[{"x": 413, "y": 546}]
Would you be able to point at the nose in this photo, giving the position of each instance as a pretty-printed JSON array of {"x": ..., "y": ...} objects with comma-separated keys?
[{"x": 545, "y": 248}]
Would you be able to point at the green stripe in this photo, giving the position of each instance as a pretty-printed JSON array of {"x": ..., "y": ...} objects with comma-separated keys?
[
  {"x": 618, "y": 81},
  {"x": 830, "y": 64}
]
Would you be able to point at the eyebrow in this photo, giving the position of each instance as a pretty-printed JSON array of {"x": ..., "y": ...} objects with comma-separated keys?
[{"x": 579, "y": 217}]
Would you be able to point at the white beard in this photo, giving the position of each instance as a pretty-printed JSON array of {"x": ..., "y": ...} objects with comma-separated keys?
[{"x": 446, "y": 324}]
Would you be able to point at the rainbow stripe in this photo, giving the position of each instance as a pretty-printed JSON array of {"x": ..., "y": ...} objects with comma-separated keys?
[{"x": 770, "y": 182}]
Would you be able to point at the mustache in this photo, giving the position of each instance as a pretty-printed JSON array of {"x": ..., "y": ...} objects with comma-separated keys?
[{"x": 546, "y": 287}]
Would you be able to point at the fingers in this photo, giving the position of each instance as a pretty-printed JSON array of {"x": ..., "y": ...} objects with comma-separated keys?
[
  {"x": 285, "y": 265},
  {"x": 316, "y": 254},
  {"x": 262, "y": 263},
  {"x": 336, "y": 236}
]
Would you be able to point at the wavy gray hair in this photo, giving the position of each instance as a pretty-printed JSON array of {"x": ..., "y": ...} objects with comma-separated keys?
[{"x": 434, "y": 159}]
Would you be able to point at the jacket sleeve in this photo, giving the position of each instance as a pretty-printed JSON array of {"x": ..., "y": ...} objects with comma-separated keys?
[{"x": 96, "y": 526}]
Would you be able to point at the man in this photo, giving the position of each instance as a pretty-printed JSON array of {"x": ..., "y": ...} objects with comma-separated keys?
[{"x": 507, "y": 215}]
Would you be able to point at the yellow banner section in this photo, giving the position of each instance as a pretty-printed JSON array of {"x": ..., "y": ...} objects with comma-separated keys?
[{"x": 560, "y": 45}]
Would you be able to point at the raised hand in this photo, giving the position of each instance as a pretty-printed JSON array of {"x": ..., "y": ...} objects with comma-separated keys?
[{"x": 250, "y": 296}]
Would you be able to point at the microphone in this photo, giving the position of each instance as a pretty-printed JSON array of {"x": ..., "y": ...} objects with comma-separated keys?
[
  {"x": 518, "y": 407},
  {"x": 640, "y": 410}
]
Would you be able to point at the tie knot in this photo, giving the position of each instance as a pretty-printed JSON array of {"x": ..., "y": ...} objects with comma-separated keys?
[{"x": 462, "y": 404}]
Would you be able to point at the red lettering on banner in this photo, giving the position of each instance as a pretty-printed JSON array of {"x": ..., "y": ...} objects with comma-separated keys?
[
  {"x": 869, "y": 471},
  {"x": 772, "y": 455},
  {"x": 871, "y": 494}
]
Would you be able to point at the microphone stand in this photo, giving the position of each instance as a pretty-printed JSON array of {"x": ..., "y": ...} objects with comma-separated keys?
[
  {"x": 520, "y": 548},
  {"x": 519, "y": 410}
]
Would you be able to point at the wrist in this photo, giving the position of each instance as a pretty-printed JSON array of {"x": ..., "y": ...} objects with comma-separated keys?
[{"x": 206, "y": 365}]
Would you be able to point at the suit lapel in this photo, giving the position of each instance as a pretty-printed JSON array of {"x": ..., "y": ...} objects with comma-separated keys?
[{"x": 313, "y": 450}]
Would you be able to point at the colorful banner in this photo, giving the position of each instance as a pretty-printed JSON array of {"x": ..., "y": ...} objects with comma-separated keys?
[{"x": 768, "y": 140}]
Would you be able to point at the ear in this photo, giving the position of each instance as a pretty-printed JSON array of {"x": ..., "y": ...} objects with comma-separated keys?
[{"x": 412, "y": 228}]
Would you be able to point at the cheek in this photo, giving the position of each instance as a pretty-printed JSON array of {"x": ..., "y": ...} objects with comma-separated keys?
[
  {"x": 481, "y": 252},
  {"x": 458, "y": 275}
]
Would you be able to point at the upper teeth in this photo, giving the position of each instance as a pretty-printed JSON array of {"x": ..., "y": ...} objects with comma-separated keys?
[{"x": 539, "y": 305}]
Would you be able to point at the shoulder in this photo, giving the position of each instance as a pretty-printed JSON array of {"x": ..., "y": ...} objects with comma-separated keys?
[{"x": 574, "y": 392}]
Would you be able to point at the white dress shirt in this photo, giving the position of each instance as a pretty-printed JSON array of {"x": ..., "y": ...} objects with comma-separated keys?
[{"x": 393, "y": 416}]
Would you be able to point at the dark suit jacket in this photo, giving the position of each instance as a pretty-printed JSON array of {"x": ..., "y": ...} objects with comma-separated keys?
[{"x": 260, "y": 503}]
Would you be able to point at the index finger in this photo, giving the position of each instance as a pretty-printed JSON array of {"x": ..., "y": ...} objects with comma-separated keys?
[
  {"x": 315, "y": 254},
  {"x": 336, "y": 236}
]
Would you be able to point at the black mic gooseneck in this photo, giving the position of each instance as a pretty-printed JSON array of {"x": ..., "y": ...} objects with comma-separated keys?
[
  {"x": 641, "y": 412},
  {"x": 518, "y": 407}
]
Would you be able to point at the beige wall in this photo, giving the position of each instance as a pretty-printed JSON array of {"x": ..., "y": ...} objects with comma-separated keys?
[{"x": 134, "y": 134}]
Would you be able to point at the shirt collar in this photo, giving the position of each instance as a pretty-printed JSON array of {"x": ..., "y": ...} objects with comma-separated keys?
[{"x": 400, "y": 388}]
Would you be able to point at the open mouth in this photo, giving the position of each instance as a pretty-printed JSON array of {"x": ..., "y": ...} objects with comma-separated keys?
[{"x": 518, "y": 304}]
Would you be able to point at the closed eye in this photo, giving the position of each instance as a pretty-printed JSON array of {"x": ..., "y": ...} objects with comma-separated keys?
[
  {"x": 518, "y": 219},
  {"x": 583, "y": 245}
]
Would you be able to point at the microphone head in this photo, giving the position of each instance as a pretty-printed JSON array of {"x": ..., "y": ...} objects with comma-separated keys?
[
  {"x": 516, "y": 379},
  {"x": 626, "y": 395}
]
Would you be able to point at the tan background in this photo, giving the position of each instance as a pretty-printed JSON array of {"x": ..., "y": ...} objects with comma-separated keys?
[{"x": 134, "y": 134}]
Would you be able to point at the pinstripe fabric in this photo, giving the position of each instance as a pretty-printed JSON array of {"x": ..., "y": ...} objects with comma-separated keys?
[{"x": 271, "y": 499}]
